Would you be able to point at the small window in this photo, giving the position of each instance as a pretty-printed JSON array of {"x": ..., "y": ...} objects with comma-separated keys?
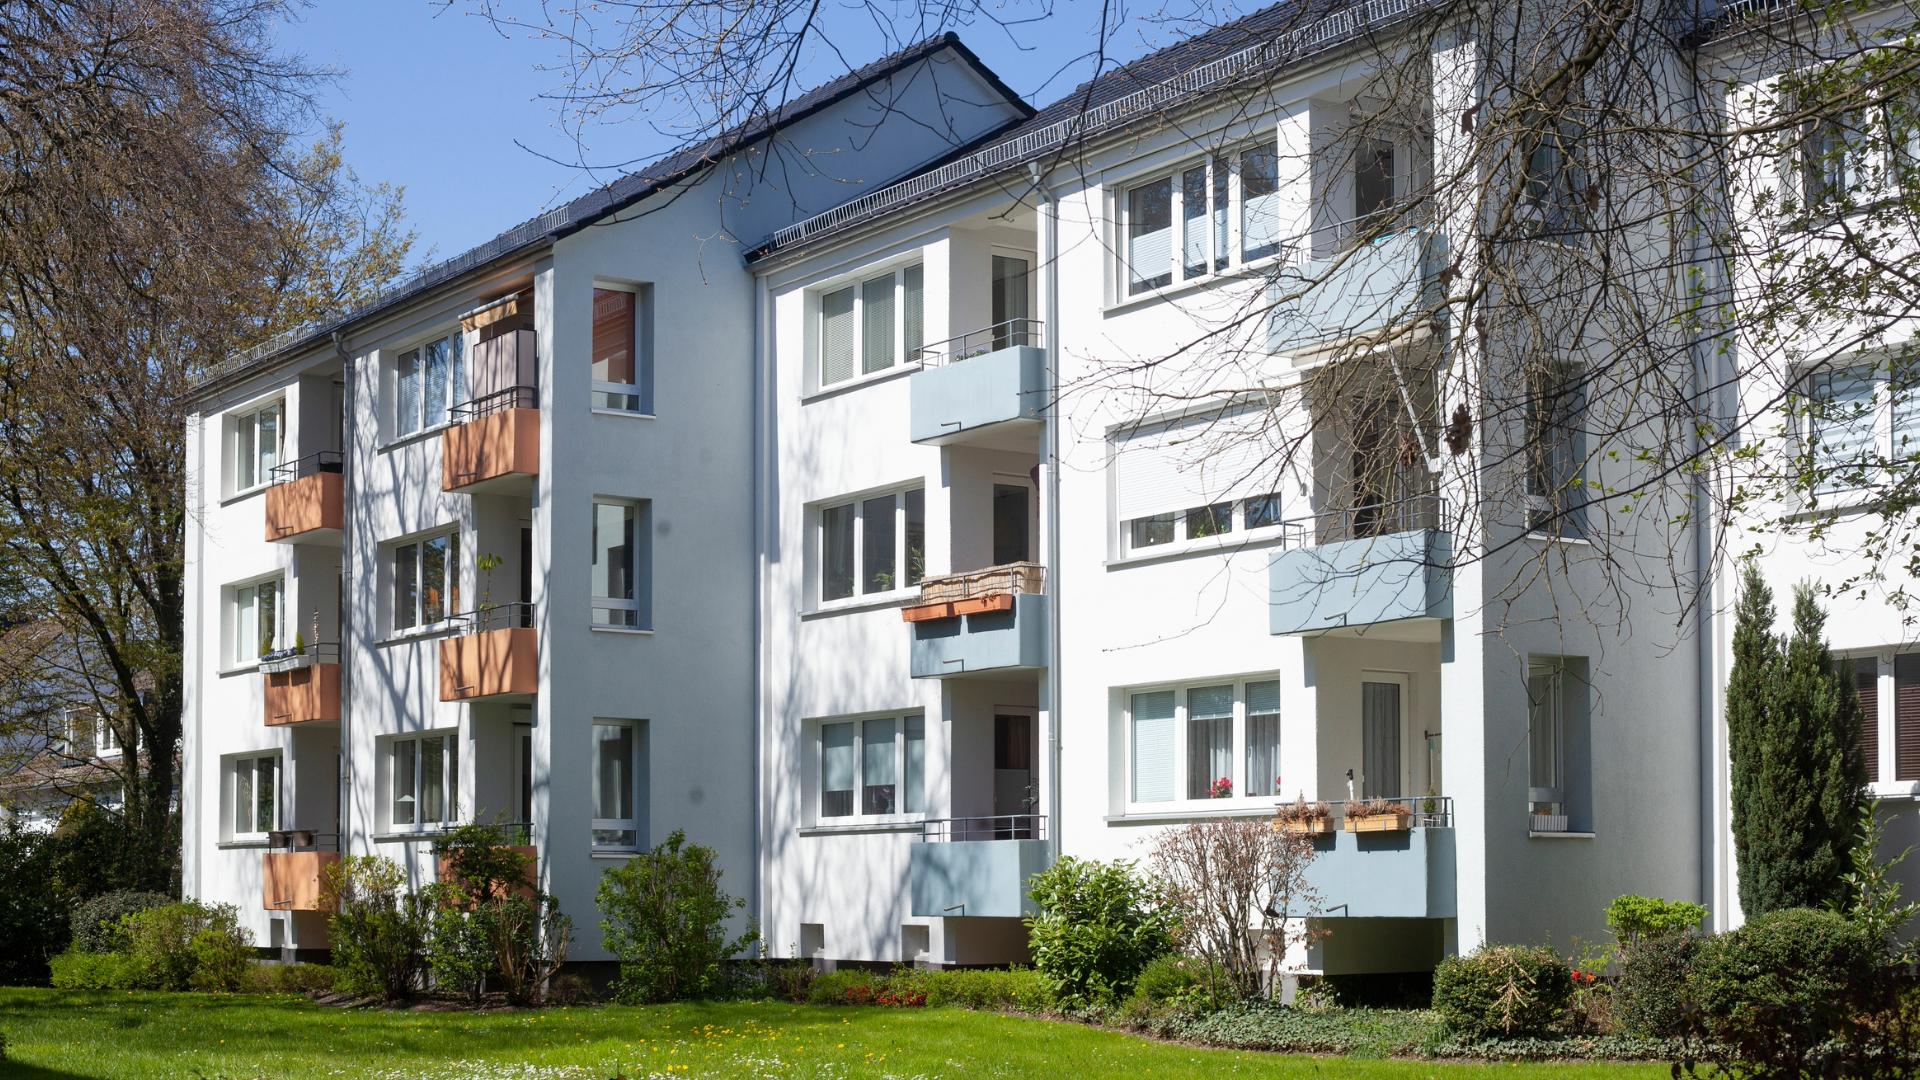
[
  {"x": 1553, "y": 187},
  {"x": 1559, "y": 790},
  {"x": 1195, "y": 482},
  {"x": 1150, "y": 236},
  {"x": 258, "y": 622},
  {"x": 430, "y": 379},
  {"x": 623, "y": 349},
  {"x": 1201, "y": 743},
  {"x": 1259, "y": 203},
  {"x": 106, "y": 738},
  {"x": 256, "y": 445},
  {"x": 424, "y": 778},
  {"x": 873, "y": 545},
  {"x": 621, "y": 584},
  {"x": 1373, "y": 177},
  {"x": 617, "y": 796},
  {"x": 426, "y": 581},
  {"x": 1840, "y": 426},
  {"x": 253, "y": 786},
  {"x": 879, "y": 322},
  {"x": 877, "y": 765},
  {"x": 1556, "y": 452}
]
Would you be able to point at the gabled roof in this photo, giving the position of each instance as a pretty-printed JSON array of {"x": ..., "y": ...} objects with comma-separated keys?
[{"x": 543, "y": 230}]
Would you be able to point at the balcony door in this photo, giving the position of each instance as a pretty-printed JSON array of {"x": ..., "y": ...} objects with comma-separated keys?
[
  {"x": 1014, "y": 794},
  {"x": 1012, "y": 524},
  {"x": 1383, "y": 720},
  {"x": 1011, "y": 303}
]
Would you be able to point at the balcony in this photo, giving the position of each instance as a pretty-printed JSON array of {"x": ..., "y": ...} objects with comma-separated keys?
[
  {"x": 494, "y": 445},
  {"x": 294, "y": 871},
  {"x": 1396, "y": 863},
  {"x": 1371, "y": 564},
  {"x": 303, "y": 685},
  {"x": 986, "y": 388},
  {"x": 976, "y": 867},
  {"x": 1358, "y": 292},
  {"x": 306, "y": 503},
  {"x": 981, "y": 622},
  {"x": 496, "y": 654}
]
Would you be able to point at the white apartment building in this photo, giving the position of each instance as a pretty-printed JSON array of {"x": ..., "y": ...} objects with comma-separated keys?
[{"x": 937, "y": 525}]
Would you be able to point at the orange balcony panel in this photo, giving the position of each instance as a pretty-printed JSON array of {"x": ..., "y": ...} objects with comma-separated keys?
[
  {"x": 292, "y": 879},
  {"x": 298, "y": 509},
  {"x": 308, "y": 695},
  {"x": 491, "y": 663},
  {"x": 978, "y": 605},
  {"x": 501, "y": 446}
]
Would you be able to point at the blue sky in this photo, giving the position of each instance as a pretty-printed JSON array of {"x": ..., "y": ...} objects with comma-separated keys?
[{"x": 433, "y": 98}]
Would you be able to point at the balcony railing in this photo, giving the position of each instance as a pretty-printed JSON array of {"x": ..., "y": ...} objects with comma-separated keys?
[
  {"x": 307, "y": 498},
  {"x": 1394, "y": 860},
  {"x": 303, "y": 685},
  {"x": 327, "y": 462},
  {"x": 302, "y": 840},
  {"x": 292, "y": 659},
  {"x": 517, "y": 615},
  {"x": 1365, "y": 521},
  {"x": 1402, "y": 812},
  {"x": 991, "y": 589},
  {"x": 513, "y": 397},
  {"x": 494, "y": 441},
  {"x": 1013, "y": 333},
  {"x": 974, "y": 829},
  {"x": 293, "y": 871},
  {"x": 494, "y": 653}
]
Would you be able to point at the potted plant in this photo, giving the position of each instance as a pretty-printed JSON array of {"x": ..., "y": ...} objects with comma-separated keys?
[
  {"x": 1378, "y": 815},
  {"x": 1221, "y": 788},
  {"x": 1307, "y": 818}
]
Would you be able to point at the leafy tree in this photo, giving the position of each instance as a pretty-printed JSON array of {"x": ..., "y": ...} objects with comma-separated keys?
[
  {"x": 665, "y": 919},
  {"x": 1097, "y": 929}
]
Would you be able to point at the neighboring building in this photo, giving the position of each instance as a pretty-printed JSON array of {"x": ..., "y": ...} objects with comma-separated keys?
[
  {"x": 814, "y": 523},
  {"x": 54, "y": 751}
]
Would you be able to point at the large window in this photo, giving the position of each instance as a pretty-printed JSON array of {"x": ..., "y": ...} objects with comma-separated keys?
[
  {"x": 1559, "y": 786},
  {"x": 258, "y": 623},
  {"x": 1858, "y": 418},
  {"x": 620, "y": 565},
  {"x": 876, "y": 544},
  {"x": 617, "y": 788},
  {"x": 1208, "y": 741},
  {"x": 256, "y": 443},
  {"x": 430, "y": 379},
  {"x": 253, "y": 795},
  {"x": 623, "y": 349},
  {"x": 1203, "y": 218},
  {"x": 1195, "y": 482},
  {"x": 424, "y": 779},
  {"x": 872, "y": 325},
  {"x": 1556, "y": 451},
  {"x": 873, "y": 768},
  {"x": 1889, "y": 688},
  {"x": 426, "y": 580}
]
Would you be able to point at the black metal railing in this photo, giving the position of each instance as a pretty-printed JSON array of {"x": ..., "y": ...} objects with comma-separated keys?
[
  {"x": 1415, "y": 811},
  {"x": 1029, "y": 333},
  {"x": 1366, "y": 520},
  {"x": 302, "y": 840},
  {"x": 325, "y": 461},
  {"x": 513, "y": 397},
  {"x": 963, "y": 830},
  {"x": 319, "y": 652},
  {"x": 517, "y": 615},
  {"x": 504, "y": 833}
]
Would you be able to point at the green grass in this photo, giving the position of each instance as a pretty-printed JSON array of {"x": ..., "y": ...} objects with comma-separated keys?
[{"x": 55, "y": 1034}]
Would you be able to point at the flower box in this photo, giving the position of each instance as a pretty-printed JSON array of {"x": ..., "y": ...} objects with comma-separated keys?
[
  {"x": 1312, "y": 827},
  {"x": 274, "y": 663},
  {"x": 1380, "y": 823}
]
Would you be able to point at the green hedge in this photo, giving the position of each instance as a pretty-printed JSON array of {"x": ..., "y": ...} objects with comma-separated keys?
[
  {"x": 1502, "y": 991},
  {"x": 1788, "y": 987},
  {"x": 74, "y": 970}
]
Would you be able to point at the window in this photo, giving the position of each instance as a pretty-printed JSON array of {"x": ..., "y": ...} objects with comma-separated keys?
[
  {"x": 873, "y": 545},
  {"x": 623, "y": 349},
  {"x": 1843, "y": 415},
  {"x": 426, "y": 580},
  {"x": 106, "y": 738},
  {"x": 430, "y": 379},
  {"x": 1188, "y": 218},
  {"x": 1150, "y": 236},
  {"x": 1555, "y": 452},
  {"x": 1895, "y": 680},
  {"x": 1373, "y": 176},
  {"x": 258, "y": 624},
  {"x": 1223, "y": 738},
  {"x": 878, "y": 765},
  {"x": 424, "y": 779},
  {"x": 1259, "y": 203},
  {"x": 617, "y": 799},
  {"x": 620, "y": 564},
  {"x": 1195, "y": 479},
  {"x": 1559, "y": 787},
  {"x": 1553, "y": 187},
  {"x": 256, "y": 445},
  {"x": 253, "y": 795},
  {"x": 878, "y": 323}
]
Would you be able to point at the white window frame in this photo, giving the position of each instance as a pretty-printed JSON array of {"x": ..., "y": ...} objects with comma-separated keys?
[
  {"x": 247, "y": 421},
  {"x": 457, "y": 376},
  {"x": 640, "y": 391},
  {"x": 634, "y": 613},
  {"x": 905, "y": 583},
  {"x": 230, "y": 771},
  {"x": 636, "y": 772},
  {"x": 449, "y": 739},
  {"x": 1238, "y": 532},
  {"x": 816, "y": 739},
  {"x": 1540, "y": 812},
  {"x": 904, "y": 351},
  {"x": 106, "y": 738},
  {"x": 1181, "y": 800},
  {"x": 243, "y": 624},
  {"x": 1216, "y": 264},
  {"x": 1881, "y": 165},
  {"x": 451, "y": 587}
]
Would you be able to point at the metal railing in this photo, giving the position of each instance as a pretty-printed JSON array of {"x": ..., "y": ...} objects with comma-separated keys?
[
  {"x": 1029, "y": 333},
  {"x": 516, "y": 615},
  {"x": 1365, "y": 521},
  {"x": 288, "y": 659},
  {"x": 324, "y": 461},
  {"x": 963, "y": 830},
  {"x": 1420, "y": 811},
  {"x": 513, "y": 397},
  {"x": 504, "y": 833},
  {"x": 302, "y": 840},
  {"x": 1006, "y": 579}
]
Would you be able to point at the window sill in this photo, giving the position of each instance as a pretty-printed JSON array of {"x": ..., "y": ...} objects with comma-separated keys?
[
  {"x": 239, "y": 669},
  {"x": 1554, "y": 538},
  {"x": 850, "y": 385},
  {"x": 856, "y": 828},
  {"x": 1233, "y": 273},
  {"x": 1571, "y": 834},
  {"x": 1179, "y": 813},
  {"x": 418, "y": 633},
  {"x": 412, "y": 437},
  {"x": 601, "y": 410},
  {"x": 1194, "y": 548},
  {"x": 1895, "y": 789},
  {"x": 241, "y": 845},
  {"x": 615, "y": 852},
  {"x": 631, "y": 631},
  {"x": 244, "y": 494},
  {"x": 876, "y": 602},
  {"x": 413, "y": 836}
]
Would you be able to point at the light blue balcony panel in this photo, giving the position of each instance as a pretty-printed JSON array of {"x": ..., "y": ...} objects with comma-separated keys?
[
  {"x": 1360, "y": 291},
  {"x": 962, "y": 396},
  {"x": 1385, "y": 875},
  {"x": 1359, "y": 582},
  {"x": 980, "y": 878},
  {"x": 992, "y": 641}
]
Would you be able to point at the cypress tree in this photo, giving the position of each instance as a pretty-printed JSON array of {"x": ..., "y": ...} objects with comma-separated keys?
[{"x": 1749, "y": 681}]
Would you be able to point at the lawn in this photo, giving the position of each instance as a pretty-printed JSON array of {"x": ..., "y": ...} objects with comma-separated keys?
[{"x": 55, "y": 1034}]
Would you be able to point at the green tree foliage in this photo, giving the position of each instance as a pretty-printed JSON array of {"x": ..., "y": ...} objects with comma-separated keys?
[
  {"x": 33, "y": 920},
  {"x": 1793, "y": 729},
  {"x": 379, "y": 930},
  {"x": 1097, "y": 929},
  {"x": 664, "y": 917}
]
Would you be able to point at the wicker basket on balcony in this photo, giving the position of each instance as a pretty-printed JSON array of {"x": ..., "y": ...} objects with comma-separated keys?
[{"x": 1025, "y": 577}]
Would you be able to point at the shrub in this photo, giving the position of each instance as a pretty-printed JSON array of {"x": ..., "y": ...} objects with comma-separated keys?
[
  {"x": 848, "y": 986},
  {"x": 1001, "y": 989},
  {"x": 530, "y": 937},
  {"x": 97, "y": 922},
  {"x": 1180, "y": 981},
  {"x": 380, "y": 930},
  {"x": 1501, "y": 990},
  {"x": 1632, "y": 918},
  {"x": 1096, "y": 929},
  {"x": 788, "y": 980},
  {"x": 1218, "y": 879},
  {"x": 1651, "y": 997},
  {"x": 460, "y": 953},
  {"x": 1776, "y": 991},
  {"x": 665, "y": 919},
  {"x": 76, "y": 970},
  {"x": 33, "y": 920},
  {"x": 290, "y": 979},
  {"x": 189, "y": 946}
]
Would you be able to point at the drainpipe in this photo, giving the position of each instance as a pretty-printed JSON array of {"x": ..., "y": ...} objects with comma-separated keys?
[
  {"x": 345, "y": 779},
  {"x": 761, "y": 423},
  {"x": 1050, "y": 279}
]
